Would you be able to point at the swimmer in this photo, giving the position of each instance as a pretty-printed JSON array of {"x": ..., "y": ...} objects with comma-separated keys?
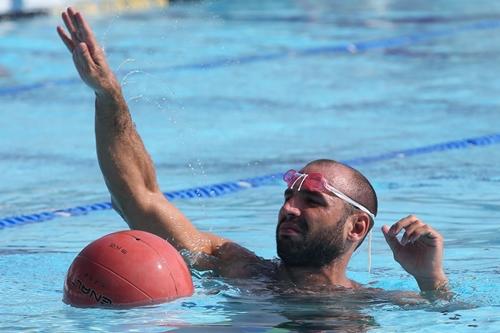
[{"x": 328, "y": 210}]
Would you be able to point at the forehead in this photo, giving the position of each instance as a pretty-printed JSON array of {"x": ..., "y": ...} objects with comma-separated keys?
[{"x": 336, "y": 175}]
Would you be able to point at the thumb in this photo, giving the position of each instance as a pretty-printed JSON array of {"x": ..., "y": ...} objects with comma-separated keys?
[{"x": 391, "y": 239}]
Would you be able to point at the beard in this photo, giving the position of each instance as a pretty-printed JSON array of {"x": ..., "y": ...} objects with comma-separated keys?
[{"x": 314, "y": 249}]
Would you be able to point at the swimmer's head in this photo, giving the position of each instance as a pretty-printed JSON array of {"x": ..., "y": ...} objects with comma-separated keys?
[{"x": 318, "y": 224}]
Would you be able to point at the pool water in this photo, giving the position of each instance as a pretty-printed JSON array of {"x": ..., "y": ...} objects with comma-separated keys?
[{"x": 226, "y": 90}]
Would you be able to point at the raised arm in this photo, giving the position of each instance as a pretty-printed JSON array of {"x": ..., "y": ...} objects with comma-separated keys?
[{"x": 127, "y": 168}]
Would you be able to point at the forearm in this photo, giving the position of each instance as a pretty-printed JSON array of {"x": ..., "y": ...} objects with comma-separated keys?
[
  {"x": 131, "y": 178},
  {"x": 123, "y": 159}
]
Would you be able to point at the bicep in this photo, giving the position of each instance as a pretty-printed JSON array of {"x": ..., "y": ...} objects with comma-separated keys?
[{"x": 152, "y": 212}]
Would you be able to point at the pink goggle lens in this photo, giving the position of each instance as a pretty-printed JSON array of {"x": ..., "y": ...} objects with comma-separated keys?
[{"x": 309, "y": 182}]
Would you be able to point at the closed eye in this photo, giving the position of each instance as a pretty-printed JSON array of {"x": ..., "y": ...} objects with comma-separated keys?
[{"x": 314, "y": 198}]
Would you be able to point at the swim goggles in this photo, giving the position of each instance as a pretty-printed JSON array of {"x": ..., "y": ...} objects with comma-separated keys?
[{"x": 315, "y": 182}]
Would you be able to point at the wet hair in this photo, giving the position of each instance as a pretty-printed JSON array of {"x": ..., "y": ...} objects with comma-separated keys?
[{"x": 357, "y": 188}]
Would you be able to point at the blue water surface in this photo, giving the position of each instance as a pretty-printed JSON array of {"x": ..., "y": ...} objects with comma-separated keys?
[{"x": 226, "y": 90}]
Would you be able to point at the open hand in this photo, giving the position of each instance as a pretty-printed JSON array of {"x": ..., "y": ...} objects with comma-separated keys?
[
  {"x": 420, "y": 251},
  {"x": 88, "y": 56}
]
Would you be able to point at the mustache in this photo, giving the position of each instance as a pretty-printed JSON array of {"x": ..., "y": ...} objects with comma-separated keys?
[{"x": 296, "y": 222}]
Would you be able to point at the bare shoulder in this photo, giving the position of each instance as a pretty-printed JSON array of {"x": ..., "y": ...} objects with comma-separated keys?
[
  {"x": 231, "y": 260},
  {"x": 236, "y": 261}
]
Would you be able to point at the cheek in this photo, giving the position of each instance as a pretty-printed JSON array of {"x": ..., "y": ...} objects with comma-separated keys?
[
  {"x": 319, "y": 220},
  {"x": 315, "y": 215},
  {"x": 312, "y": 222}
]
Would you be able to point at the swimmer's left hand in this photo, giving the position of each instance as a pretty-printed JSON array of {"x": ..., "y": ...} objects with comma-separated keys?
[{"x": 420, "y": 251}]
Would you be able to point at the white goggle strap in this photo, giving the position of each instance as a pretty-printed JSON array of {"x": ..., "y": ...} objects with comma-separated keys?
[
  {"x": 303, "y": 177},
  {"x": 364, "y": 209},
  {"x": 302, "y": 182},
  {"x": 370, "y": 252},
  {"x": 349, "y": 200}
]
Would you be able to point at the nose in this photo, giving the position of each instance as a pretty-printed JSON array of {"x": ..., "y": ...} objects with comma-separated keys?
[{"x": 291, "y": 207}]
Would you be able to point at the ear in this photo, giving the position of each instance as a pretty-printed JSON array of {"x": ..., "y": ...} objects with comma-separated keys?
[{"x": 359, "y": 224}]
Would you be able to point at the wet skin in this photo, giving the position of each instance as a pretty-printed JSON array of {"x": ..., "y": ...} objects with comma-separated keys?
[{"x": 303, "y": 219}]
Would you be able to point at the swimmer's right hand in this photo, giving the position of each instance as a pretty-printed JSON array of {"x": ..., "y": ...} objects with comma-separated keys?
[{"x": 88, "y": 56}]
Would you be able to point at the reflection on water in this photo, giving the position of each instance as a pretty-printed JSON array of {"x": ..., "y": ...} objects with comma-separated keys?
[{"x": 261, "y": 305}]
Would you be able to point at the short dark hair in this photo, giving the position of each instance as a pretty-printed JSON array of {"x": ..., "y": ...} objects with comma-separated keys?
[{"x": 359, "y": 189}]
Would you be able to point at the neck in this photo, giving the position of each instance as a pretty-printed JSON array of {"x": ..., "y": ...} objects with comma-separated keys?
[{"x": 332, "y": 274}]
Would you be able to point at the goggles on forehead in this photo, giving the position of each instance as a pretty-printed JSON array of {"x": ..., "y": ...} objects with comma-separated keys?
[{"x": 315, "y": 182}]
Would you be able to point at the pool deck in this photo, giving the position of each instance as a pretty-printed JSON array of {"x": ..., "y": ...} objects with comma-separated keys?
[{"x": 13, "y": 9}]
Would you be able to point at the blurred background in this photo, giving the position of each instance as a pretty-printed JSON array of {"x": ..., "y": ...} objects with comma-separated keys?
[{"x": 27, "y": 8}]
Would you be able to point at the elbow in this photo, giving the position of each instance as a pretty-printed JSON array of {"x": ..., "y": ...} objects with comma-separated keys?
[
  {"x": 134, "y": 208},
  {"x": 117, "y": 208}
]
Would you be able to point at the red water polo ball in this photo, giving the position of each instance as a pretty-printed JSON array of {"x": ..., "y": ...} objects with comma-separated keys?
[{"x": 125, "y": 269}]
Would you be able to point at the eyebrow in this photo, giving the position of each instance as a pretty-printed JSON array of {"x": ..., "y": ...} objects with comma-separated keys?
[{"x": 314, "y": 194}]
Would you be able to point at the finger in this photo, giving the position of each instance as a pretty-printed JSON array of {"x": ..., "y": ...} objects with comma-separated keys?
[
  {"x": 69, "y": 26},
  {"x": 84, "y": 27},
  {"x": 82, "y": 63},
  {"x": 67, "y": 41},
  {"x": 87, "y": 33},
  {"x": 83, "y": 57},
  {"x": 403, "y": 223},
  {"x": 410, "y": 230},
  {"x": 74, "y": 22},
  {"x": 424, "y": 233},
  {"x": 391, "y": 239}
]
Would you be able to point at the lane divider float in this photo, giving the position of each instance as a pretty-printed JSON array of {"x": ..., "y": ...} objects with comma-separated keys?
[
  {"x": 352, "y": 48},
  {"x": 220, "y": 189}
]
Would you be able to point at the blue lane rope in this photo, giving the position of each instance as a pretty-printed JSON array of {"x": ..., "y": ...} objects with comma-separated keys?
[
  {"x": 217, "y": 190},
  {"x": 356, "y": 47}
]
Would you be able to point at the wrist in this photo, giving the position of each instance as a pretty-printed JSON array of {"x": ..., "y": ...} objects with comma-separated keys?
[
  {"x": 111, "y": 93},
  {"x": 433, "y": 283},
  {"x": 111, "y": 108},
  {"x": 110, "y": 98}
]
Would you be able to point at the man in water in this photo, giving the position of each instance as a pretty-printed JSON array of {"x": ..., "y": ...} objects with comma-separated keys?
[{"x": 329, "y": 207}]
